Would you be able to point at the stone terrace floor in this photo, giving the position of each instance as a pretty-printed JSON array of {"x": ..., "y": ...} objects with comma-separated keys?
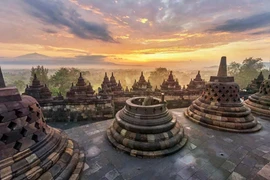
[{"x": 209, "y": 154}]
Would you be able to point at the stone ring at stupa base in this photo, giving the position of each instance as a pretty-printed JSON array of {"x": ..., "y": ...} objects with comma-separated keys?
[{"x": 146, "y": 130}]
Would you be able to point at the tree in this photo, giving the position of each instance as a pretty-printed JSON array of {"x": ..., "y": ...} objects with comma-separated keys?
[
  {"x": 62, "y": 80},
  {"x": 234, "y": 68},
  {"x": 156, "y": 77},
  {"x": 250, "y": 64},
  {"x": 42, "y": 74},
  {"x": 245, "y": 72},
  {"x": 20, "y": 85}
]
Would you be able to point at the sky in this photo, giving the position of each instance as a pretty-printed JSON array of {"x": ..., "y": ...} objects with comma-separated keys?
[{"x": 135, "y": 32}]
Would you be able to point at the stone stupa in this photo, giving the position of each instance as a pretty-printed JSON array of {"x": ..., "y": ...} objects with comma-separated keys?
[
  {"x": 145, "y": 128},
  {"x": 220, "y": 107},
  {"x": 259, "y": 103},
  {"x": 29, "y": 148}
]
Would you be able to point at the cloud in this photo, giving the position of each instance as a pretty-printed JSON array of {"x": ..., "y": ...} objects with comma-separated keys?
[
  {"x": 166, "y": 17},
  {"x": 67, "y": 50},
  {"x": 244, "y": 24},
  {"x": 172, "y": 26},
  {"x": 56, "y": 13},
  {"x": 63, "y": 61},
  {"x": 261, "y": 32},
  {"x": 49, "y": 31}
]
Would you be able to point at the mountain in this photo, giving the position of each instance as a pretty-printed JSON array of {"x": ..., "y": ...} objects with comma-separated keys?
[
  {"x": 35, "y": 59},
  {"x": 33, "y": 56},
  {"x": 211, "y": 67}
]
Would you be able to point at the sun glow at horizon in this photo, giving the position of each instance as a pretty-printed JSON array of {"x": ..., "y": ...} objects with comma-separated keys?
[{"x": 138, "y": 32}]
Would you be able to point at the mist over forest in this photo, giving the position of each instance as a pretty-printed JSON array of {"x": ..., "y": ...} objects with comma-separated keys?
[
  {"x": 22, "y": 77},
  {"x": 60, "y": 80}
]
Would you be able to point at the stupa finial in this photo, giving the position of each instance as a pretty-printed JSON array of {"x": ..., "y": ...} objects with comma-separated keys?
[
  {"x": 35, "y": 76},
  {"x": 222, "y": 71},
  {"x": 2, "y": 81}
]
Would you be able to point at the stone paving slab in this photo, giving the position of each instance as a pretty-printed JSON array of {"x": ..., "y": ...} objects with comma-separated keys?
[{"x": 209, "y": 154}]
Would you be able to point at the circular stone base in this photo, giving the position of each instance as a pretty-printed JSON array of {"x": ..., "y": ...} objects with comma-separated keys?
[
  {"x": 56, "y": 159},
  {"x": 149, "y": 154},
  {"x": 254, "y": 129},
  {"x": 146, "y": 131},
  {"x": 258, "y": 109}
]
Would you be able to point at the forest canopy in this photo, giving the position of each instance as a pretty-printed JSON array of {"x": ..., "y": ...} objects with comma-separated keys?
[
  {"x": 247, "y": 70},
  {"x": 60, "y": 80}
]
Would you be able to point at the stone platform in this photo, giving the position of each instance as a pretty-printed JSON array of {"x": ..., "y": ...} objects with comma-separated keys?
[{"x": 209, "y": 154}]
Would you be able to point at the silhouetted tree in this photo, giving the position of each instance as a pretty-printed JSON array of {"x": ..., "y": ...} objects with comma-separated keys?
[
  {"x": 245, "y": 72},
  {"x": 234, "y": 68},
  {"x": 42, "y": 74},
  {"x": 156, "y": 77},
  {"x": 20, "y": 85},
  {"x": 62, "y": 80}
]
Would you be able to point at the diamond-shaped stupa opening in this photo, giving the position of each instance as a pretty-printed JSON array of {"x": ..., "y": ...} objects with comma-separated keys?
[
  {"x": 28, "y": 119},
  {"x": 35, "y": 137},
  {"x": 1, "y": 118},
  {"x": 12, "y": 125},
  {"x": 37, "y": 125},
  {"x": 4, "y": 138},
  {"x": 38, "y": 114},
  {"x": 17, "y": 146},
  {"x": 18, "y": 113},
  {"x": 23, "y": 131}
]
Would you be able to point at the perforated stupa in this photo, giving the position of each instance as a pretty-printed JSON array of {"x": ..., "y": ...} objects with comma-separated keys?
[
  {"x": 29, "y": 148},
  {"x": 220, "y": 106}
]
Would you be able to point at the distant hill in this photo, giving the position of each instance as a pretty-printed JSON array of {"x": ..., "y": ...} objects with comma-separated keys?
[
  {"x": 35, "y": 59},
  {"x": 33, "y": 56},
  {"x": 211, "y": 67}
]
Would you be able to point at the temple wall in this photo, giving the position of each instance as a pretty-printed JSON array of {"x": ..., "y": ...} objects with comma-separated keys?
[
  {"x": 72, "y": 112},
  {"x": 67, "y": 112}
]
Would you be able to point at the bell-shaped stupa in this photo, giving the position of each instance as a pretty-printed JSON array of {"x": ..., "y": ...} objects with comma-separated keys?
[
  {"x": 29, "y": 148},
  {"x": 145, "y": 127},
  {"x": 259, "y": 103},
  {"x": 220, "y": 106}
]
